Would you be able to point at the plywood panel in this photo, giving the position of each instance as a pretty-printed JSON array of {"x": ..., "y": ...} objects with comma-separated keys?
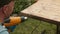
[{"x": 49, "y": 9}]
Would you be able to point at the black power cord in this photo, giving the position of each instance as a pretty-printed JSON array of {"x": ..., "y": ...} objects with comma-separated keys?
[
  {"x": 35, "y": 28},
  {"x": 43, "y": 32}
]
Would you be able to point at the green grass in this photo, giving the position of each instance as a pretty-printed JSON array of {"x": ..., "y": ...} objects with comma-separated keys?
[{"x": 28, "y": 26}]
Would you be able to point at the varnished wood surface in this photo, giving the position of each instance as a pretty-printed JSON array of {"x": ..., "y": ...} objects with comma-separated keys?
[{"x": 48, "y": 9}]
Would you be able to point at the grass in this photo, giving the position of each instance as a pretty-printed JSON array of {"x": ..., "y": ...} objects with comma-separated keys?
[{"x": 28, "y": 26}]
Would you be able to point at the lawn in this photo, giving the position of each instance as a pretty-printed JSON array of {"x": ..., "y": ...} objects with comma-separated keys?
[{"x": 31, "y": 26}]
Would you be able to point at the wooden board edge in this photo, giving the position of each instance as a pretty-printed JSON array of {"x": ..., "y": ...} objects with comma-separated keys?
[{"x": 40, "y": 18}]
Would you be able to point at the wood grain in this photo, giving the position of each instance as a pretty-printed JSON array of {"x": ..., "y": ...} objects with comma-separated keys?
[{"x": 48, "y": 9}]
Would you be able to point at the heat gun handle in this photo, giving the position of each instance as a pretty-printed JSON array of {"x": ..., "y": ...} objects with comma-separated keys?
[{"x": 7, "y": 20}]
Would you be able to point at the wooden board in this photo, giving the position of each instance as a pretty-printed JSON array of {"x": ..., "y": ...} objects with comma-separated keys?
[{"x": 48, "y": 9}]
